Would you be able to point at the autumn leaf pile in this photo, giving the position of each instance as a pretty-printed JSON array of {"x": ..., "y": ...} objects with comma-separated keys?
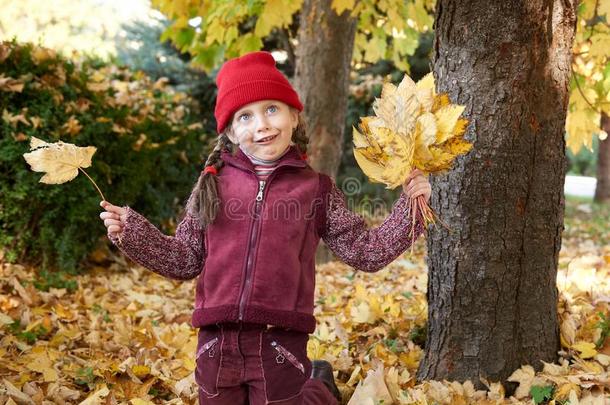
[{"x": 123, "y": 333}]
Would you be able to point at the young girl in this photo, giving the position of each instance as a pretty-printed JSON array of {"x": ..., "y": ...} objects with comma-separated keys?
[{"x": 250, "y": 233}]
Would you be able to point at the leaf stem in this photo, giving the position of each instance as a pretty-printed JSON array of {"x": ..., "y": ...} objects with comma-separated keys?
[{"x": 98, "y": 189}]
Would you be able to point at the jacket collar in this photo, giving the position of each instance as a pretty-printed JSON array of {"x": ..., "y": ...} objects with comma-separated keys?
[{"x": 242, "y": 161}]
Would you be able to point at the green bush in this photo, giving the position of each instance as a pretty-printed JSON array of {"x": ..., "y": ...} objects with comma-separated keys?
[{"x": 149, "y": 152}]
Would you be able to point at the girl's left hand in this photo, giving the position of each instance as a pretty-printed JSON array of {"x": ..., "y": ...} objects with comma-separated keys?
[{"x": 417, "y": 184}]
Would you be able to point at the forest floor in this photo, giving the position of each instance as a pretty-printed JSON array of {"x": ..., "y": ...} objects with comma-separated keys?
[{"x": 121, "y": 334}]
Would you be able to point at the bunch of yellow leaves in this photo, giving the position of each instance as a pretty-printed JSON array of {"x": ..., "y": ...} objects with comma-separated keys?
[{"x": 413, "y": 128}]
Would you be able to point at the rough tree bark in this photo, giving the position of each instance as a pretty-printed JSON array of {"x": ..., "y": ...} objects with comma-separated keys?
[
  {"x": 491, "y": 292},
  {"x": 324, "y": 53},
  {"x": 602, "y": 190}
]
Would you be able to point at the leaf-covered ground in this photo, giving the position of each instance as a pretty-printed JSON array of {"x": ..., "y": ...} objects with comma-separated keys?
[{"x": 121, "y": 334}]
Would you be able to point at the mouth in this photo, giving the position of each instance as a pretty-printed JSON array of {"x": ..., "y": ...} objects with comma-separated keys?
[{"x": 267, "y": 139}]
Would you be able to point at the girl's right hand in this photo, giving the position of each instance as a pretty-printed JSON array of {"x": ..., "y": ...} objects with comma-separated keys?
[{"x": 114, "y": 218}]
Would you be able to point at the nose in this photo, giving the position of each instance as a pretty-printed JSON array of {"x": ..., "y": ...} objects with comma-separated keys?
[{"x": 262, "y": 124}]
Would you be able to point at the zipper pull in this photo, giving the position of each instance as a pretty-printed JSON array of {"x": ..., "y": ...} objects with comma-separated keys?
[{"x": 261, "y": 187}]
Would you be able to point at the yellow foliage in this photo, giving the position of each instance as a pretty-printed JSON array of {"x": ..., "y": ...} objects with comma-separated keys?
[
  {"x": 341, "y": 5},
  {"x": 413, "y": 128},
  {"x": 586, "y": 349},
  {"x": 590, "y": 84},
  {"x": 97, "y": 323}
]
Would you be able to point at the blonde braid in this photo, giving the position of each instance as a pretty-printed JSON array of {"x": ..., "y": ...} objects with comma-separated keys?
[
  {"x": 299, "y": 136},
  {"x": 203, "y": 202}
]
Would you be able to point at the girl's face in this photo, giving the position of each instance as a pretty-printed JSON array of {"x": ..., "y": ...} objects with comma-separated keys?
[{"x": 264, "y": 128}]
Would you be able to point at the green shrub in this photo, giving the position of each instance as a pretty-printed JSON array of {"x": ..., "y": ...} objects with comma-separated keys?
[{"x": 149, "y": 152}]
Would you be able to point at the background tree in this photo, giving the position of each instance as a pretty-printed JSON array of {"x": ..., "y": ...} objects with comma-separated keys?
[
  {"x": 590, "y": 89},
  {"x": 492, "y": 293},
  {"x": 602, "y": 190},
  {"x": 323, "y": 65}
]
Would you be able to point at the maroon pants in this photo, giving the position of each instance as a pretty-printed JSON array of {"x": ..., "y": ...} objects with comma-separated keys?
[{"x": 240, "y": 364}]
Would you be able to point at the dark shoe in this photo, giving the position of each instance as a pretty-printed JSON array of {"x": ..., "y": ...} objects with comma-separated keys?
[{"x": 322, "y": 370}]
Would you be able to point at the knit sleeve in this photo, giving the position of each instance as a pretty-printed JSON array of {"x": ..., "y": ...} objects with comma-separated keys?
[
  {"x": 348, "y": 237},
  {"x": 179, "y": 257}
]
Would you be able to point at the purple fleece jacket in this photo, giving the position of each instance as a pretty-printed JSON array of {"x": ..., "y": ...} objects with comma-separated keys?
[{"x": 273, "y": 284}]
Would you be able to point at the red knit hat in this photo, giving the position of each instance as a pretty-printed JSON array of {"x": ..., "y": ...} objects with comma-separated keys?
[{"x": 248, "y": 78}]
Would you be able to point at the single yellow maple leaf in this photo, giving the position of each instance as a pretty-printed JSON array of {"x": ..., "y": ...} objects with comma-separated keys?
[
  {"x": 372, "y": 389},
  {"x": 586, "y": 349},
  {"x": 40, "y": 362},
  {"x": 341, "y": 5},
  {"x": 362, "y": 313},
  {"x": 563, "y": 391},
  {"x": 61, "y": 161},
  {"x": 140, "y": 371}
]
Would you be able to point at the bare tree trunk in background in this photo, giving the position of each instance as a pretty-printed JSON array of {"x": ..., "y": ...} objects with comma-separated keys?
[
  {"x": 602, "y": 190},
  {"x": 323, "y": 63},
  {"x": 324, "y": 53},
  {"x": 492, "y": 296}
]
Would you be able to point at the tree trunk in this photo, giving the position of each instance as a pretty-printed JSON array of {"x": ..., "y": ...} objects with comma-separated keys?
[
  {"x": 324, "y": 53},
  {"x": 602, "y": 190},
  {"x": 491, "y": 292}
]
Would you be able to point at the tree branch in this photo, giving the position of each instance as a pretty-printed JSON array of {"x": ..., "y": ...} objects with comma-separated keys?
[{"x": 581, "y": 92}]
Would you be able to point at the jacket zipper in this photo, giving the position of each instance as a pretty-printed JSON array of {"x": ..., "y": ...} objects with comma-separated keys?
[
  {"x": 285, "y": 354},
  {"x": 208, "y": 345},
  {"x": 245, "y": 289},
  {"x": 253, "y": 236}
]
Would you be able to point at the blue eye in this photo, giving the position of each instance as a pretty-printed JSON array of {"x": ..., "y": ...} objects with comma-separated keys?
[
  {"x": 242, "y": 116},
  {"x": 272, "y": 108}
]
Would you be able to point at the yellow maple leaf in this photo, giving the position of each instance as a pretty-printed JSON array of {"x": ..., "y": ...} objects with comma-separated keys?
[
  {"x": 362, "y": 313},
  {"x": 525, "y": 377},
  {"x": 40, "y": 362},
  {"x": 447, "y": 118},
  {"x": 563, "y": 391},
  {"x": 372, "y": 388},
  {"x": 60, "y": 161},
  {"x": 341, "y": 5},
  {"x": 390, "y": 306},
  {"x": 140, "y": 371},
  {"x": 586, "y": 349},
  {"x": 275, "y": 14},
  {"x": 600, "y": 43},
  {"x": 315, "y": 349}
]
